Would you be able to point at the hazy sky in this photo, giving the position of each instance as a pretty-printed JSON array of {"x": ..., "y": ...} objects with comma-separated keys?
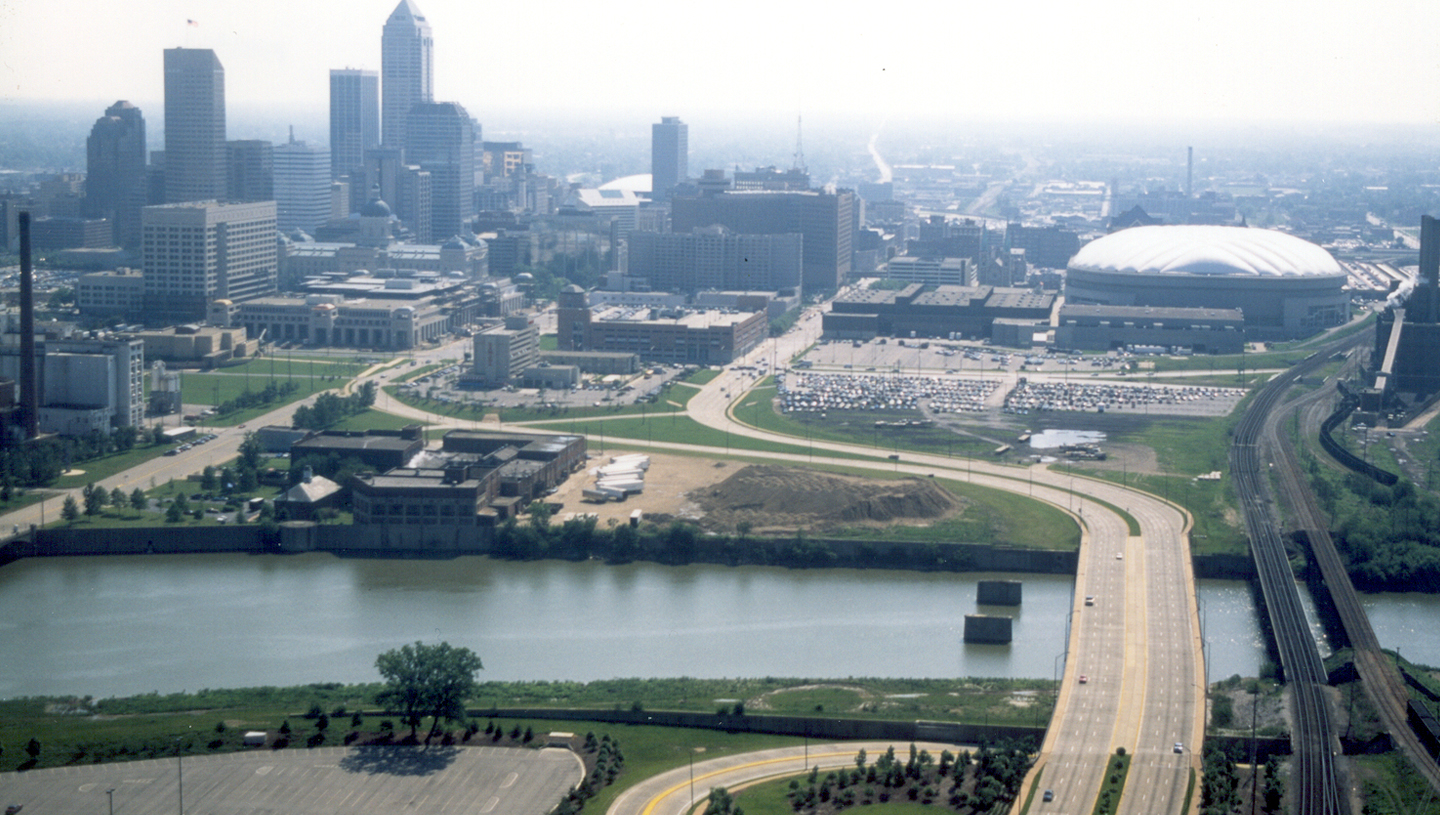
[{"x": 1372, "y": 61}]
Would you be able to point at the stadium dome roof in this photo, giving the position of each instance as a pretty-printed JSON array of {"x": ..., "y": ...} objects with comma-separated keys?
[{"x": 1205, "y": 250}]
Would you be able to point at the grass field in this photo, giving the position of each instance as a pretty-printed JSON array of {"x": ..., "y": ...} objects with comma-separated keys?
[{"x": 99, "y": 468}]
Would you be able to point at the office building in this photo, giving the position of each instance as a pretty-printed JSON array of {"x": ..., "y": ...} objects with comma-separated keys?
[
  {"x": 713, "y": 257},
  {"x": 669, "y": 156},
  {"x": 354, "y": 119},
  {"x": 678, "y": 335},
  {"x": 115, "y": 186},
  {"x": 503, "y": 352},
  {"x": 194, "y": 125},
  {"x": 825, "y": 219},
  {"x": 302, "y": 186},
  {"x": 440, "y": 139},
  {"x": 205, "y": 250},
  {"x": 249, "y": 170},
  {"x": 406, "y": 68}
]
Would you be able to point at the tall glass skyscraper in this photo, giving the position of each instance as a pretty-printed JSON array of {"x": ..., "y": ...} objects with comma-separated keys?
[
  {"x": 115, "y": 183},
  {"x": 669, "y": 156},
  {"x": 194, "y": 125},
  {"x": 302, "y": 186},
  {"x": 354, "y": 118},
  {"x": 441, "y": 140},
  {"x": 406, "y": 69}
]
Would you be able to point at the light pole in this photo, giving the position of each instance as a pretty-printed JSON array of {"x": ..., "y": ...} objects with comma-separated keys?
[{"x": 111, "y": 794}]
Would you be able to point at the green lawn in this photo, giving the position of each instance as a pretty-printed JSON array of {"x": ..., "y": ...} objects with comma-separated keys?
[
  {"x": 282, "y": 367},
  {"x": 96, "y": 469}
]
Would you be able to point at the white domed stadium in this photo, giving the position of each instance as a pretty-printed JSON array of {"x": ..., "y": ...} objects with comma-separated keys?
[{"x": 1287, "y": 287}]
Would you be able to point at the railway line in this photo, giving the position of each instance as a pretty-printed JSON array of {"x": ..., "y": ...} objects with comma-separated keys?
[
  {"x": 1314, "y": 776},
  {"x": 1380, "y": 677}
]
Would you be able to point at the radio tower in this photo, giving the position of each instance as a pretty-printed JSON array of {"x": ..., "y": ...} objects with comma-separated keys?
[{"x": 799, "y": 150}]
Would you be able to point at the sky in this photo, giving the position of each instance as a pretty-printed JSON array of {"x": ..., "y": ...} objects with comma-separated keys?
[{"x": 1043, "y": 60}]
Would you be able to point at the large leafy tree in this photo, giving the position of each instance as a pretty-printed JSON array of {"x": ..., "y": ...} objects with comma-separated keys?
[{"x": 427, "y": 680}]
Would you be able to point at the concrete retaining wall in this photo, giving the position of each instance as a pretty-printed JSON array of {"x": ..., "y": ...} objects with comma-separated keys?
[{"x": 814, "y": 727}]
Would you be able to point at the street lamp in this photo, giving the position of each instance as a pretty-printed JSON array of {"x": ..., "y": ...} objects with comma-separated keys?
[{"x": 111, "y": 794}]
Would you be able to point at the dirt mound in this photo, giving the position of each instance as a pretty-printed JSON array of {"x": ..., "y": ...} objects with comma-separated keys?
[{"x": 771, "y": 497}]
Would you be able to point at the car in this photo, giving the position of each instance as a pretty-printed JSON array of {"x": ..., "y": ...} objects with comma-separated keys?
[
  {"x": 1119, "y": 555},
  {"x": 1089, "y": 599},
  {"x": 1084, "y": 679},
  {"x": 1048, "y": 796},
  {"x": 1179, "y": 748}
]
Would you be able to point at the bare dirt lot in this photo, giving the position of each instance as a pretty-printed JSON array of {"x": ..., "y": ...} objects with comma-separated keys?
[{"x": 721, "y": 494}]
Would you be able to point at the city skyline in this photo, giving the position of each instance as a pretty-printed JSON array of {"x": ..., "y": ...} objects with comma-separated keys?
[{"x": 1116, "y": 60}]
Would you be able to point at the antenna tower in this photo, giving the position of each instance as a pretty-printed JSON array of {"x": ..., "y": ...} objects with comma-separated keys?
[{"x": 799, "y": 150}]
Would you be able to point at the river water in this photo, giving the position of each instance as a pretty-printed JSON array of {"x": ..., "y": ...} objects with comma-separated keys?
[{"x": 122, "y": 625}]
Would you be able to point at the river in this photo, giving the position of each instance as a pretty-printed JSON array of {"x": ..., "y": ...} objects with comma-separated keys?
[{"x": 123, "y": 625}]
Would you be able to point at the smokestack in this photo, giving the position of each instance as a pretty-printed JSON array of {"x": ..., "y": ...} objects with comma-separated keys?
[
  {"x": 29, "y": 397},
  {"x": 1189, "y": 172}
]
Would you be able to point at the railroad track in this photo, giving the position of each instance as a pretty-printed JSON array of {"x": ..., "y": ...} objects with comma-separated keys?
[
  {"x": 1314, "y": 778},
  {"x": 1380, "y": 677}
]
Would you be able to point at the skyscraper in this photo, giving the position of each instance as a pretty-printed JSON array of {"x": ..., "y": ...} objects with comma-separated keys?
[
  {"x": 406, "y": 70},
  {"x": 441, "y": 140},
  {"x": 302, "y": 186},
  {"x": 249, "y": 170},
  {"x": 115, "y": 183},
  {"x": 669, "y": 156},
  {"x": 354, "y": 118},
  {"x": 194, "y": 125},
  {"x": 200, "y": 251}
]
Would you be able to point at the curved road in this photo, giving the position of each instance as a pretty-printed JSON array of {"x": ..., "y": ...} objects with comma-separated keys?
[{"x": 1138, "y": 645}]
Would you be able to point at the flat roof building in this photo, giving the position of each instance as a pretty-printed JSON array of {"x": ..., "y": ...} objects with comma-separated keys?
[{"x": 201, "y": 251}]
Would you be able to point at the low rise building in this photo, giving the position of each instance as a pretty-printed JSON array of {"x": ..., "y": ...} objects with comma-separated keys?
[{"x": 1102, "y": 328}]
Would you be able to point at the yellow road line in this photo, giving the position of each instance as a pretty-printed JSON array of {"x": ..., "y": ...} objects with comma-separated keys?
[{"x": 654, "y": 802}]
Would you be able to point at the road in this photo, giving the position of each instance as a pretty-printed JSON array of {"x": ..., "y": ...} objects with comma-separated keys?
[
  {"x": 677, "y": 791},
  {"x": 1138, "y": 645}
]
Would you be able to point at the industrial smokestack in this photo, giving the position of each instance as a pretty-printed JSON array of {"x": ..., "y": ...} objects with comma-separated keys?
[
  {"x": 29, "y": 396},
  {"x": 1189, "y": 172}
]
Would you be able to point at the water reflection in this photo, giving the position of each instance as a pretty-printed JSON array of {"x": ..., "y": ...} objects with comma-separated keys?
[{"x": 124, "y": 625}]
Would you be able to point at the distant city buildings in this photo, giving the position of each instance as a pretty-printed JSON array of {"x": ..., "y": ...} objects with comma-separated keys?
[
  {"x": 407, "y": 70},
  {"x": 713, "y": 257},
  {"x": 824, "y": 219},
  {"x": 249, "y": 170},
  {"x": 440, "y": 140},
  {"x": 115, "y": 186},
  {"x": 195, "y": 166},
  {"x": 302, "y": 186},
  {"x": 669, "y": 156},
  {"x": 354, "y": 119}
]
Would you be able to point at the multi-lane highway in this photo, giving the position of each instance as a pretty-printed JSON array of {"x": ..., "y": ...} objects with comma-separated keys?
[{"x": 1137, "y": 645}]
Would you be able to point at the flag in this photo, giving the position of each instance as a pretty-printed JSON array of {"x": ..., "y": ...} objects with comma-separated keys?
[{"x": 192, "y": 23}]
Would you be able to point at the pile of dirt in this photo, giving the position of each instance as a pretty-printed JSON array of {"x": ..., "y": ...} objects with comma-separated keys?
[{"x": 770, "y": 497}]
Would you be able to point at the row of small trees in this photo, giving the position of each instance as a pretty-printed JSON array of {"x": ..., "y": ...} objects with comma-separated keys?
[
  {"x": 678, "y": 543},
  {"x": 329, "y": 408},
  {"x": 992, "y": 775}
]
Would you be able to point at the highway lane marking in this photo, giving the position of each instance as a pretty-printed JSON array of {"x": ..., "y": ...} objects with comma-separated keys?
[{"x": 654, "y": 802}]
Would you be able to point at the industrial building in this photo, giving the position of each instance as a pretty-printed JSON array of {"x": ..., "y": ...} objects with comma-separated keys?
[
  {"x": 1105, "y": 328},
  {"x": 921, "y": 311},
  {"x": 678, "y": 335},
  {"x": 1287, "y": 287},
  {"x": 1407, "y": 336},
  {"x": 84, "y": 385}
]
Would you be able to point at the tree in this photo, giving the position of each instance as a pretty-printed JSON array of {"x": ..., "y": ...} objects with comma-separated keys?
[
  {"x": 117, "y": 498},
  {"x": 70, "y": 510},
  {"x": 94, "y": 499},
  {"x": 32, "y": 749},
  {"x": 427, "y": 680},
  {"x": 251, "y": 451},
  {"x": 207, "y": 479},
  {"x": 138, "y": 501}
]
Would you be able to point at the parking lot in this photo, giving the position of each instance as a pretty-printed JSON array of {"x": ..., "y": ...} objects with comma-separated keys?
[{"x": 361, "y": 780}]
